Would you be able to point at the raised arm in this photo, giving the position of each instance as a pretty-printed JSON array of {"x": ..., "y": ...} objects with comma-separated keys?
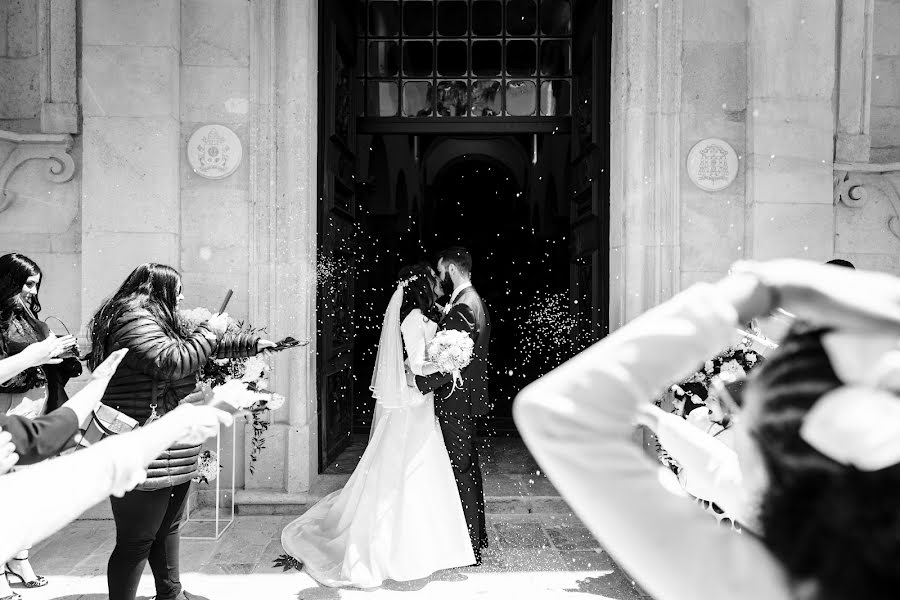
[
  {"x": 578, "y": 420},
  {"x": 40, "y": 438}
]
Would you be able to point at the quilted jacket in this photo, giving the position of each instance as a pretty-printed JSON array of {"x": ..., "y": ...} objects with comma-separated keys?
[{"x": 162, "y": 368}]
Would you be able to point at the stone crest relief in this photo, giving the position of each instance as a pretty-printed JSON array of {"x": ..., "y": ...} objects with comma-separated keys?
[
  {"x": 712, "y": 164},
  {"x": 214, "y": 151}
]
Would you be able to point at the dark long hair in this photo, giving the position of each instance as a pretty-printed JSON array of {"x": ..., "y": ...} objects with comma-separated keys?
[
  {"x": 151, "y": 286},
  {"x": 824, "y": 521},
  {"x": 419, "y": 292},
  {"x": 15, "y": 269}
]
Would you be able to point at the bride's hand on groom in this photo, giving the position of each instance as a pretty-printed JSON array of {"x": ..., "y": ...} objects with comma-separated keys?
[{"x": 410, "y": 378}]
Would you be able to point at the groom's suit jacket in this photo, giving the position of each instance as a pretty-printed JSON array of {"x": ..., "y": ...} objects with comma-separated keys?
[{"x": 468, "y": 314}]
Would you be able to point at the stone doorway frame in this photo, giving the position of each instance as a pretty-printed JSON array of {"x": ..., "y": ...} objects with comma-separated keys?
[{"x": 644, "y": 202}]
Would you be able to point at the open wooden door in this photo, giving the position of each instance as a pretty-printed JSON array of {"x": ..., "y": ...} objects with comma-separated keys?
[
  {"x": 589, "y": 175},
  {"x": 337, "y": 227}
]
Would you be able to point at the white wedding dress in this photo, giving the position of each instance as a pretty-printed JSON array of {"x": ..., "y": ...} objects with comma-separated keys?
[{"x": 399, "y": 517}]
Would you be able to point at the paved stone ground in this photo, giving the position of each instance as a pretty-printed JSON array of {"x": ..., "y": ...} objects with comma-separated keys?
[
  {"x": 538, "y": 549},
  {"x": 531, "y": 556}
]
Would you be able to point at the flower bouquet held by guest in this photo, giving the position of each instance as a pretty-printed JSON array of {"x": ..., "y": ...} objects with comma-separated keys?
[
  {"x": 818, "y": 441},
  {"x": 160, "y": 370},
  {"x": 39, "y": 387}
]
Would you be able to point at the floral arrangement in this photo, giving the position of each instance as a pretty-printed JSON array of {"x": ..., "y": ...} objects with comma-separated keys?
[
  {"x": 736, "y": 362},
  {"x": 451, "y": 351},
  {"x": 239, "y": 382},
  {"x": 208, "y": 469}
]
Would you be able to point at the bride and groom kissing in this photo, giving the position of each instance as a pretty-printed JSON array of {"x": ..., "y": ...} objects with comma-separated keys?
[{"x": 415, "y": 503}]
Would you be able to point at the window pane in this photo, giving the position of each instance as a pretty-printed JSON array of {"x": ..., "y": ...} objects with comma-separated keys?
[
  {"x": 418, "y": 58},
  {"x": 487, "y": 57},
  {"x": 521, "y": 98},
  {"x": 418, "y": 18},
  {"x": 359, "y": 96},
  {"x": 486, "y": 99},
  {"x": 452, "y": 99},
  {"x": 521, "y": 17},
  {"x": 384, "y": 59},
  {"x": 453, "y": 18},
  {"x": 521, "y": 57},
  {"x": 556, "y": 17},
  {"x": 384, "y": 18},
  {"x": 487, "y": 17},
  {"x": 418, "y": 99},
  {"x": 452, "y": 58},
  {"x": 555, "y": 98},
  {"x": 382, "y": 99},
  {"x": 555, "y": 58}
]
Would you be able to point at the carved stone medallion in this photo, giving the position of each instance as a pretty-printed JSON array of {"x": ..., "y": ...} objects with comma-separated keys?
[
  {"x": 712, "y": 164},
  {"x": 214, "y": 151}
]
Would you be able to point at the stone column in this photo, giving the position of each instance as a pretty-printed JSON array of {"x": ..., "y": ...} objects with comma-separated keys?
[
  {"x": 853, "y": 142},
  {"x": 790, "y": 128},
  {"x": 645, "y": 165},
  {"x": 284, "y": 142},
  {"x": 59, "y": 94},
  {"x": 130, "y": 98}
]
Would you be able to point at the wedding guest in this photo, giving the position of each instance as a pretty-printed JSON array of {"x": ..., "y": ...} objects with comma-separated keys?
[
  {"x": 39, "y": 387},
  {"x": 30, "y": 506},
  {"x": 840, "y": 262},
  {"x": 819, "y": 452},
  {"x": 159, "y": 371}
]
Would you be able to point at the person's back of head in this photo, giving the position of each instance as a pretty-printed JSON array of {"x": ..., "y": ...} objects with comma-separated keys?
[
  {"x": 829, "y": 524},
  {"x": 418, "y": 291},
  {"x": 459, "y": 256},
  {"x": 840, "y": 262}
]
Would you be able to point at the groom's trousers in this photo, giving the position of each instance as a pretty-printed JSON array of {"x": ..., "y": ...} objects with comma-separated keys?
[{"x": 461, "y": 437}]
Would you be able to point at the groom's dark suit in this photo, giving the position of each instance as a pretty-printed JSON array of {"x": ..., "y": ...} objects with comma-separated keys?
[{"x": 457, "y": 408}]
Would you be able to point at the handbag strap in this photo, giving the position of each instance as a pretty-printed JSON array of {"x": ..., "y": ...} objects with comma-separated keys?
[{"x": 100, "y": 425}]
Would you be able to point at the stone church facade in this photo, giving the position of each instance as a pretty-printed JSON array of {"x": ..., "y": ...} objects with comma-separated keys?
[{"x": 99, "y": 98}]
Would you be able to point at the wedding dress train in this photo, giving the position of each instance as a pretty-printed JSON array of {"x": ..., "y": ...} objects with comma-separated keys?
[{"x": 399, "y": 516}]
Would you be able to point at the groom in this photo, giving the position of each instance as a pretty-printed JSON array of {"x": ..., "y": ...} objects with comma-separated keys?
[{"x": 457, "y": 408}]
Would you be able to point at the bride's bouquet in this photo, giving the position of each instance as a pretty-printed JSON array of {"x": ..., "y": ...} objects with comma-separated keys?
[{"x": 451, "y": 351}]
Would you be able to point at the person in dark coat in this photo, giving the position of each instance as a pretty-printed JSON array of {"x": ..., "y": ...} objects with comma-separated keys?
[{"x": 159, "y": 371}]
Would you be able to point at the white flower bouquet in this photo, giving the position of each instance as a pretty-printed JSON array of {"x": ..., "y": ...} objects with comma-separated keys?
[{"x": 451, "y": 351}]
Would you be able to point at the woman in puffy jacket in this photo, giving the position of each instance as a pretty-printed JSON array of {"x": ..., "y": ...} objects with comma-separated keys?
[{"x": 159, "y": 371}]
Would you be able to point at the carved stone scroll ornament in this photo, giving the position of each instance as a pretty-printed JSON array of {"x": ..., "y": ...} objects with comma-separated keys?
[
  {"x": 53, "y": 148},
  {"x": 853, "y": 184}
]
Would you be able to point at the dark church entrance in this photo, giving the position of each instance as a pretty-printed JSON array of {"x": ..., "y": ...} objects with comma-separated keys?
[{"x": 481, "y": 123}]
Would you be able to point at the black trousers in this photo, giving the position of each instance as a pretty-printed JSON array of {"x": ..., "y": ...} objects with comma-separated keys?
[
  {"x": 146, "y": 529},
  {"x": 461, "y": 437}
]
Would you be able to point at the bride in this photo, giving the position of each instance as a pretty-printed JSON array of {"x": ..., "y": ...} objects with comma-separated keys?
[{"x": 399, "y": 517}]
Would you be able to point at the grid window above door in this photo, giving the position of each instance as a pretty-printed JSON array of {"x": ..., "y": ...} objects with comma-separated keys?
[{"x": 465, "y": 58}]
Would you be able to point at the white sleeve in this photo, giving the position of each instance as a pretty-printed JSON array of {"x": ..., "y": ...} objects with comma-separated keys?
[
  {"x": 578, "y": 422},
  {"x": 413, "y": 330}
]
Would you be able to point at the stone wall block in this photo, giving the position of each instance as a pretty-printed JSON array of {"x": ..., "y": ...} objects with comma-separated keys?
[
  {"x": 715, "y": 21},
  {"x": 130, "y": 179},
  {"x": 885, "y": 127},
  {"x": 215, "y": 230},
  {"x": 793, "y": 230},
  {"x": 130, "y": 81},
  {"x": 22, "y": 28},
  {"x": 215, "y": 94},
  {"x": 20, "y": 94},
  {"x": 207, "y": 289},
  {"x": 887, "y": 24},
  {"x": 715, "y": 76},
  {"x": 712, "y": 231},
  {"x": 216, "y": 32},
  {"x": 886, "y": 80},
  {"x": 132, "y": 23}
]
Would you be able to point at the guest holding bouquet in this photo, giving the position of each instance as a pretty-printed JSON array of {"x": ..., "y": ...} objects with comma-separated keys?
[
  {"x": 39, "y": 387},
  {"x": 160, "y": 370}
]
